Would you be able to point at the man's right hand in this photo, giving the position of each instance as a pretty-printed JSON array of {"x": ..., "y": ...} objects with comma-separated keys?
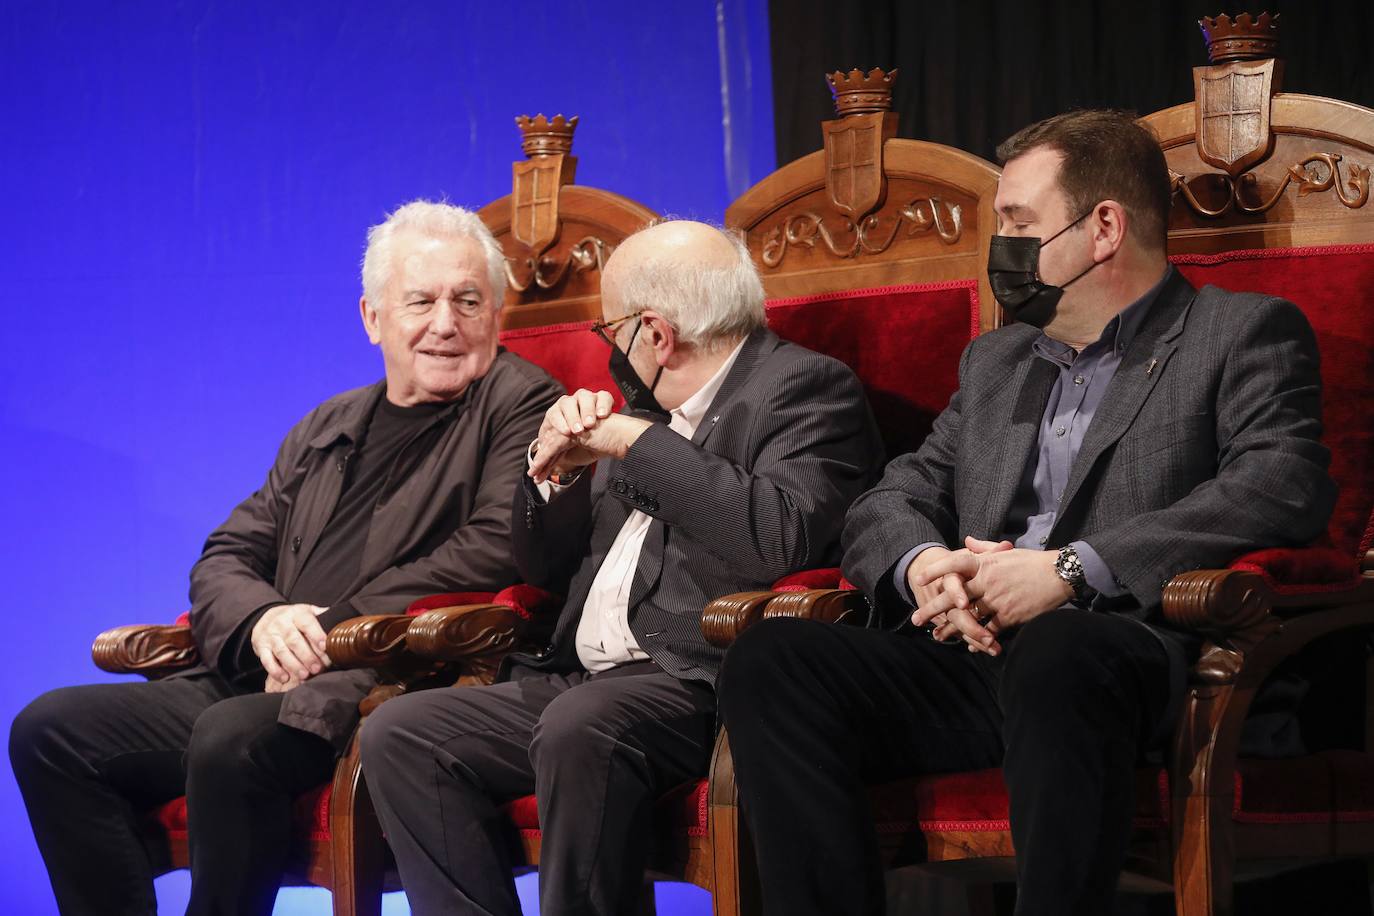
[
  {"x": 290, "y": 642},
  {"x": 944, "y": 603}
]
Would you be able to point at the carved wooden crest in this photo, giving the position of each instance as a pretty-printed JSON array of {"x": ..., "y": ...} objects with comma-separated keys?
[
  {"x": 854, "y": 178},
  {"x": 854, "y": 163},
  {"x": 1233, "y": 114},
  {"x": 536, "y": 180}
]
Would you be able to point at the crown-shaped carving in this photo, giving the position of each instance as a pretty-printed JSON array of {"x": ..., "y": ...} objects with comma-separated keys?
[
  {"x": 1244, "y": 38},
  {"x": 543, "y": 137},
  {"x": 859, "y": 93}
]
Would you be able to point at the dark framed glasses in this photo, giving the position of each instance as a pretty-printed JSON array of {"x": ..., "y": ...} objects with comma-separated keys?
[{"x": 601, "y": 327}]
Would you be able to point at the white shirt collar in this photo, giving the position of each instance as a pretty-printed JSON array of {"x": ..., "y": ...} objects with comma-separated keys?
[{"x": 692, "y": 410}]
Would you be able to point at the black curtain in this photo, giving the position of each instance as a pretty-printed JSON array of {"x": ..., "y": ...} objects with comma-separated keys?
[{"x": 975, "y": 71}]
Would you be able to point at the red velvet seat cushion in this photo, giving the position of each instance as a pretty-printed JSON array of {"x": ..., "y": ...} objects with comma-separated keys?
[
  {"x": 682, "y": 811},
  {"x": 1335, "y": 786},
  {"x": 1331, "y": 284},
  {"x": 309, "y": 815}
]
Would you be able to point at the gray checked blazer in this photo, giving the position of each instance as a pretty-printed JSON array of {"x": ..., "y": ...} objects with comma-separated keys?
[
  {"x": 1204, "y": 447},
  {"x": 759, "y": 491}
]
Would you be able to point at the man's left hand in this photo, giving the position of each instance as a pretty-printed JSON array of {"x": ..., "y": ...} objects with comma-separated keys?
[
  {"x": 565, "y": 445},
  {"x": 1009, "y": 587}
]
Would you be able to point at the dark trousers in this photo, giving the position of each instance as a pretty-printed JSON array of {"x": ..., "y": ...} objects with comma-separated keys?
[
  {"x": 596, "y": 749},
  {"x": 815, "y": 712},
  {"x": 91, "y": 761}
]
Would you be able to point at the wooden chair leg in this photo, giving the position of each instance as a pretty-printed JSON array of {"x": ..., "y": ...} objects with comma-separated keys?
[
  {"x": 735, "y": 885},
  {"x": 357, "y": 847}
]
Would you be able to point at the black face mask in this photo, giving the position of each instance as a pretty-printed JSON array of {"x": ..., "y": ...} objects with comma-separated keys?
[
  {"x": 638, "y": 398},
  {"x": 1014, "y": 275}
]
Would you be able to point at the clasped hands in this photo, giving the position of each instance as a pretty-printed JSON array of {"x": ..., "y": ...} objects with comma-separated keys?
[
  {"x": 290, "y": 643},
  {"x": 982, "y": 589},
  {"x": 579, "y": 429}
]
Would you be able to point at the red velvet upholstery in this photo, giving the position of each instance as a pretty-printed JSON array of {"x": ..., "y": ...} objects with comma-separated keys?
[
  {"x": 881, "y": 333},
  {"x": 903, "y": 342},
  {"x": 569, "y": 352},
  {"x": 1336, "y": 786},
  {"x": 1332, "y": 286},
  {"x": 309, "y": 815},
  {"x": 683, "y": 810},
  {"x": 1310, "y": 569},
  {"x": 448, "y": 599}
]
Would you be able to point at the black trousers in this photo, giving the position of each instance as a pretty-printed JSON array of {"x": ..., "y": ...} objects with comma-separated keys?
[
  {"x": 596, "y": 749},
  {"x": 816, "y": 711},
  {"x": 91, "y": 761}
]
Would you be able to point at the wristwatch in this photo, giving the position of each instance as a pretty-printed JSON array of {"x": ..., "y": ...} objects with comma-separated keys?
[{"x": 1070, "y": 568}]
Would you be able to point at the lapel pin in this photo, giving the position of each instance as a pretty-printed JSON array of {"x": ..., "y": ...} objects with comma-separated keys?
[{"x": 1151, "y": 367}]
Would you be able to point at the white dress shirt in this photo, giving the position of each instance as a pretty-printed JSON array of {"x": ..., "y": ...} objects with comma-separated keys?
[{"x": 604, "y": 639}]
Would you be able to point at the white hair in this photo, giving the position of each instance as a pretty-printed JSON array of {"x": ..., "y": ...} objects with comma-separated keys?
[
  {"x": 707, "y": 305},
  {"x": 434, "y": 220}
]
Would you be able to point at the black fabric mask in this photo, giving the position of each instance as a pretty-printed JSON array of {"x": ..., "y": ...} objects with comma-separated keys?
[
  {"x": 638, "y": 398},
  {"x": 1014, "y": 275}
]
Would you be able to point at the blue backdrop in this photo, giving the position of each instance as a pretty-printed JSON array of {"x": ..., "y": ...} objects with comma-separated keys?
[{"x": 186, "y": 186}]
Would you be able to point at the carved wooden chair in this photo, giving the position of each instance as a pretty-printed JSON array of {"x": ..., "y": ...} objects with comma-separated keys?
[
  {"x": 556, "y": 236},
  {"x": 1271, "y": 195}
]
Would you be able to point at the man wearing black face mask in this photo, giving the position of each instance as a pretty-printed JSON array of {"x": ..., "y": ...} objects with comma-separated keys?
[
  {"x": 1124, "y": 428},
  {"x": 731, "y": 466}
]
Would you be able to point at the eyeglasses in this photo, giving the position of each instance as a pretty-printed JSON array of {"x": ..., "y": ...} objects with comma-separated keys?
[{"x": 601, "y": 327}]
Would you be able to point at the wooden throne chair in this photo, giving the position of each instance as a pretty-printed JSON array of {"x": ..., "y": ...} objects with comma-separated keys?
[
  {"x": 1271, "y": 194},
  {"x": 556, "y": 236}
]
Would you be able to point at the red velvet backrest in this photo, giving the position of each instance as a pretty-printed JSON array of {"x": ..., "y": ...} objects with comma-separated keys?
[
  {"x": 903, "y": 342},
  {"x": 1333, "y": 286},
  {"x": 569, "y": 352}
]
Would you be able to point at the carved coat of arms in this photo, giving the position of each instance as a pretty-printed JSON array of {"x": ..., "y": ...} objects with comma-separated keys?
[
  {"x": 534, "y": 201},
  {"x": 854, "y": 163},
  {"x": 1233, "y": 114}
]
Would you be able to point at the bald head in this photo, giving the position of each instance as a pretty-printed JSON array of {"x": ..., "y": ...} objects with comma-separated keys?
[{"x": 698, "y": 277}]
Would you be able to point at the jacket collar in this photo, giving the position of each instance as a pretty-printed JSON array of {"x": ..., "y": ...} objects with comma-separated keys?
[
  {"x": 757, "y": 347},
  {"x": 350, "y": 424}
]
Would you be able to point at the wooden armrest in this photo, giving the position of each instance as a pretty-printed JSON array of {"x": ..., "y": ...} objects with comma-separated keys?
[
  {"x": 368, "y": 642},
  {"x": 725, "y": 618},
  {"x": 152, "y": 650},
  {"x": 828, "y": 605},
  {"x": 477, "y": 635},
  {"x": 729, "y": 615},
  {"x": 1250, "y": 628}
]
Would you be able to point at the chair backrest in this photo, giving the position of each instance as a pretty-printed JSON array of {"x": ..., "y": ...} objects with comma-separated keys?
[
  {"x": 873, "y": 250},
  {"x": 1271, "y": 194},
  {"x": 557, "y": 236}
]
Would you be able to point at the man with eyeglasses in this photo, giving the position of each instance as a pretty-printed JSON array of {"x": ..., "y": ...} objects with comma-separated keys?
[
  {"x": 380, "y": 496},
  {"x": 730, "y": 466}
]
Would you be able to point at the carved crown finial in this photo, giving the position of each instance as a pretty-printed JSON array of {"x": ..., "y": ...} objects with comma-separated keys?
[
  {"x": 543, "y": 137},
  {"x": 859, "y": 93},
  {"x": 1244, "y": 38}
]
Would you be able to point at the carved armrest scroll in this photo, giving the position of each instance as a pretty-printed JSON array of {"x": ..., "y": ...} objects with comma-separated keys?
[
  {"x": 368, "y": 642},
  {"x": 726, "y": 617},
  {"x": 478, "y": 636},
  {"x": 152, "y": 650},
  {"x": 827, "y": 605}
]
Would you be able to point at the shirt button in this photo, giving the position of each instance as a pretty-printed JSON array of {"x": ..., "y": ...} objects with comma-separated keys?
[
  {"x": 1059, "y": 431},
  {"x": 1043, "y": 539},
  {"x": 1078, "y": 379}
]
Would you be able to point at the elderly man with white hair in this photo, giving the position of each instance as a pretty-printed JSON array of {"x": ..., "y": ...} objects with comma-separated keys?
[
  {"x": 731, "y": 466},
  {"x": 381, "y": 495}
]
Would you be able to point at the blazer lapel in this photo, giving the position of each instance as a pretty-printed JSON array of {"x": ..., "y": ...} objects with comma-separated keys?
[
  {"x": 1140, "y": 370},
  {"x": 757, "y": 346},
  {"x": 1021, "y": 430}
]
